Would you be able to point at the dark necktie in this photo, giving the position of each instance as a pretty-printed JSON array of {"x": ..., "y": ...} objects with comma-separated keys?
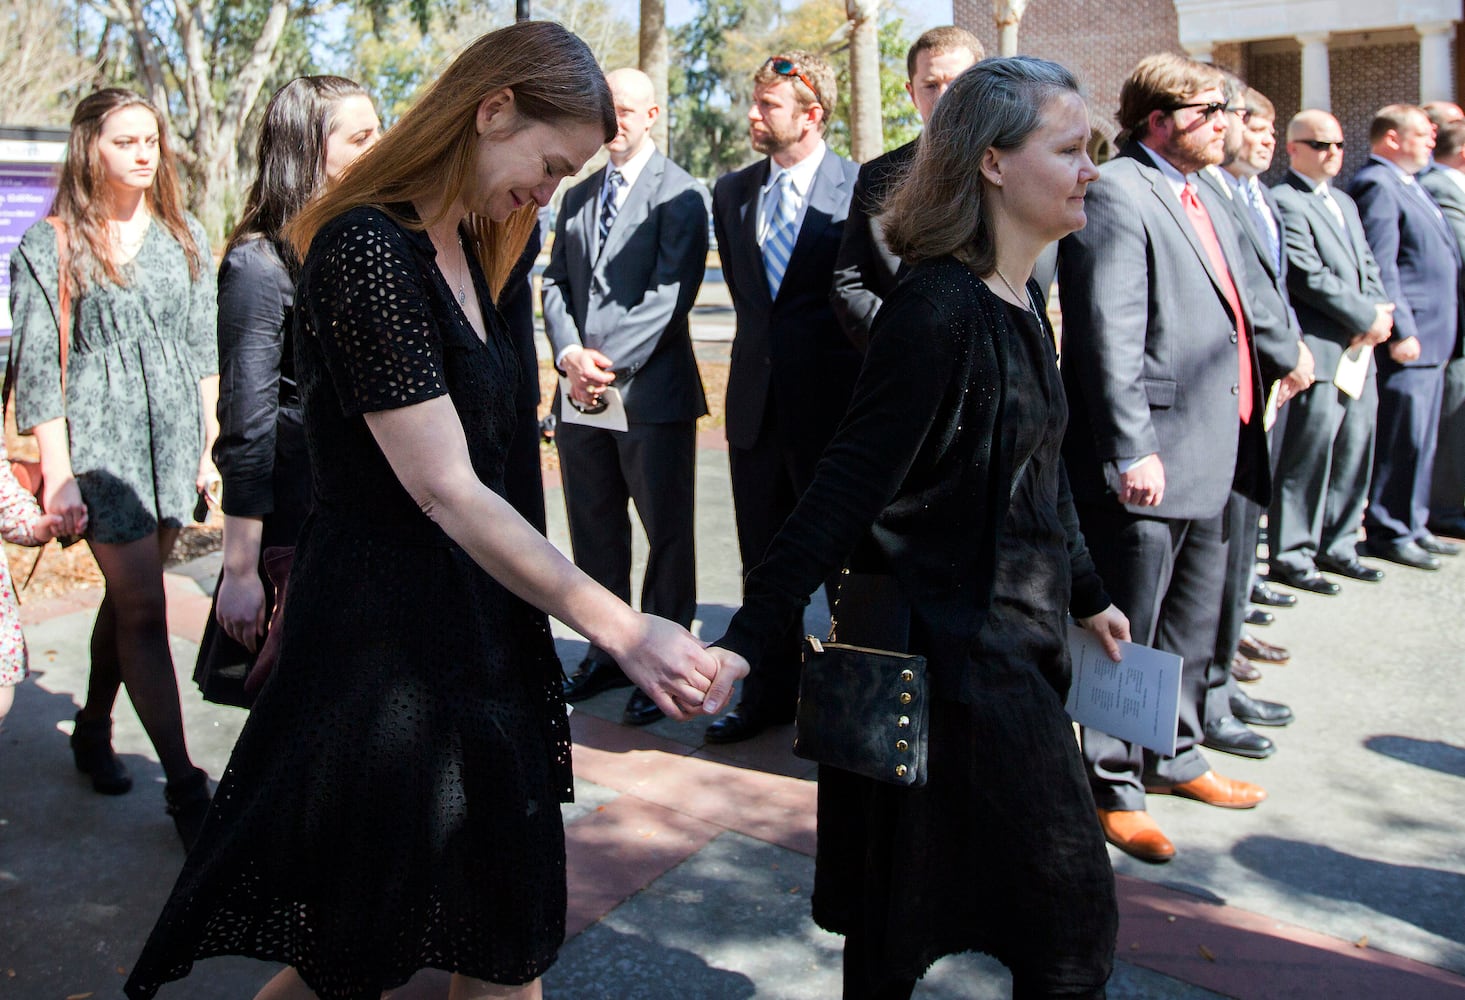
[
  {"x": 1201, "y": 220},
  {"x": 609, "y": 207}
]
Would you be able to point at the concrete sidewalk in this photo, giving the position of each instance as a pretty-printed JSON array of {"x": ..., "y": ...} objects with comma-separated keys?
[{"x": 691, "y": 866}]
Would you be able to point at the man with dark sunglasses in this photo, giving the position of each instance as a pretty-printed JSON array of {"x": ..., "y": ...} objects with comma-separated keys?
[
  {"x": 778, "y": 225},
  {"x": 1165, "y": 407},
  {"x": 1327, "y": 444}
]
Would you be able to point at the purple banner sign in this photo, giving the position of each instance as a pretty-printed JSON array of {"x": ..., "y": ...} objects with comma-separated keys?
[{"x": 26, "y": 191}]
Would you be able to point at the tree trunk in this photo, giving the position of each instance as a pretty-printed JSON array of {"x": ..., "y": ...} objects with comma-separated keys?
[
  {"x": 653, "y": 61},
  {"x": 867, "y": 139}
]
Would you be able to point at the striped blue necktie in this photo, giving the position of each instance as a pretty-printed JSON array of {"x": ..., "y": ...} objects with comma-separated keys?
[
  {"x": 609, "y": 208},
  {"x": 778, "y": 245}
]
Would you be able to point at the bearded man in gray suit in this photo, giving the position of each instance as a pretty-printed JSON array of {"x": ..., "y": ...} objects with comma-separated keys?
[
  {"x": 1165, "y": 403},
  {"x": 629, "y": 255}
]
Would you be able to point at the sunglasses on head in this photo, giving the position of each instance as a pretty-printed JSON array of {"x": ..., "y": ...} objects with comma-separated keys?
[
  {"x": 1207, "y": 111},
  {"x": 784, "y": 66},
  {"x": 1322, "y": 145}
]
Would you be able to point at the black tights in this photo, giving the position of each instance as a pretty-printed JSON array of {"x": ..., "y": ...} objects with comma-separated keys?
[{"x": 130, "y": 646}]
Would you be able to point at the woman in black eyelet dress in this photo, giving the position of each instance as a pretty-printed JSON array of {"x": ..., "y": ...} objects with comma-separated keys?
[{"x": 375, "y": 815}]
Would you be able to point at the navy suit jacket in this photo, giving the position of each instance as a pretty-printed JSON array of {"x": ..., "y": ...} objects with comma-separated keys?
[
  {"x": 790, "y": 349},
  {"x": 1149, "y": 347},
  {"x": 1417, "y": 258}
]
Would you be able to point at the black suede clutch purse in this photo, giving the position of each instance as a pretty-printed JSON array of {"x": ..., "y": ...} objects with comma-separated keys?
[{"x": 866, "y": 709}]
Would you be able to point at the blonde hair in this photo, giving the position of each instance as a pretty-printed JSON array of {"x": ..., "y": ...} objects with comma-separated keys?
[
  {"x": 938, "y": 208},
  {"x": 825, "y": 89},
  {"x": 429, "y": 154}
]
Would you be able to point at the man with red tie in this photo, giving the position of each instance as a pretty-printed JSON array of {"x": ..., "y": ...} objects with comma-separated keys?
[{"x": 1165, "y": 404}]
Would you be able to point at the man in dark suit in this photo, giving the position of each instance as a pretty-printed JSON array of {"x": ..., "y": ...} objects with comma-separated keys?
[
  {"x": 865, "y": 271},
  {"x": 1166, "y": 419},
  {"x": 1327, "y": 445},
  {"x": 1420, "y": 267},
  {"x": 628, "y": 258},
  {"x": 1250, "y": 140},
  {"x": 778, "y": 225},
  {"x": 1446, "y": 184}
]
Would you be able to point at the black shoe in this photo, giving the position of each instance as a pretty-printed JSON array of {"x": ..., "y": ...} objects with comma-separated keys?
[
  {"x": 1256, "y": 712},
  {"x": 1351, "y": 568},
  {"x": 740, "y": 724},
  {"x": 1438, "y": 546},
  {"x": 1259, "y": 616},
  {"x": 1404, "y": 553},
  {"x": 641, "y": 710},
  {"x": 1313, "y": 582},
  {"x": 1261, "y": 593},
  {"x": 1229, "y": 735},
  {"x": 91, "y": 747},
  {"x": 592, "y": 677},
  {"x": 1450, "y": 527},
  {"x": 188, "y": 803}
]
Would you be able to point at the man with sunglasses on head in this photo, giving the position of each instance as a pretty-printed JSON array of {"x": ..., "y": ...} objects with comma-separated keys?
[
  {"x": 865, "y": 271},
  {"x": 778, "y": 225},
  {"x": 1165, "y": 404},
  {"x": 1420, "y": 265},
  {"x": 1327, "y": 444}
]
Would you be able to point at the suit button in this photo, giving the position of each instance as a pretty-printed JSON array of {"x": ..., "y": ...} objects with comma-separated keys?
[
  {"x": 1236, "y": 390},
  {"x": 1233, "y": 338}
]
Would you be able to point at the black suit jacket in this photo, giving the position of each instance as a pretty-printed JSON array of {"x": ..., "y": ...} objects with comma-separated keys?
[
  {"x": 1417, "y": 259},
  {"x": 865, "y": 272},
  {"x": 790, "y": 350},
  {"x": 1149, "y": 347},
  {"x": 1275, "y": 331}
]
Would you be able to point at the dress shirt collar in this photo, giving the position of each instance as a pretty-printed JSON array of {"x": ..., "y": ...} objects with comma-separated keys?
[
  {"x": 1176, "y": 179},
  {"x": 1402, "y": 174},
  {"x": 1319, "y": 188},
  {"x": 800, "y": 175},
  {"x": 1455, "y": 175},
  {"x": 634, "y": 165}
]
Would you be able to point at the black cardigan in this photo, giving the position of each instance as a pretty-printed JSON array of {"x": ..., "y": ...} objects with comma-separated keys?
[{"x": 916, "y": 481}]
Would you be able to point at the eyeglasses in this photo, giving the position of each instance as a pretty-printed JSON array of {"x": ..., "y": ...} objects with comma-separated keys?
[
  {"x": 1241, "y": 112},
  {"x": 784, "y": 66},
  {"x": 1207, "y": 111},
  {"x": 1322, "y": 145}
]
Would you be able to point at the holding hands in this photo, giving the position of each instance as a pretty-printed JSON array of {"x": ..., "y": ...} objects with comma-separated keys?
[{"x": 668, "y": 663}]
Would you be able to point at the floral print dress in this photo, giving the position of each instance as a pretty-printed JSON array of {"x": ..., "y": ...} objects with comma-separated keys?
[{"x": 19, "y": 513}]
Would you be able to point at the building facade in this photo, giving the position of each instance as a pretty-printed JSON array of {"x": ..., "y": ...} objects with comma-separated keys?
[{"x": 1347, "y": 56}]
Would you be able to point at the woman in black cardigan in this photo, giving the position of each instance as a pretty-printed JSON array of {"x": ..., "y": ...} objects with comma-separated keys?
[
  {"x": 945, "y": 474},
  {"x": 314, "y": 127}
]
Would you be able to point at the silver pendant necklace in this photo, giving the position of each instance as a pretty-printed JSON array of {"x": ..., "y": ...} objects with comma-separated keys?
[
  {"x": 462, "y": 290},
  {"x": 1032, "y": 307}
]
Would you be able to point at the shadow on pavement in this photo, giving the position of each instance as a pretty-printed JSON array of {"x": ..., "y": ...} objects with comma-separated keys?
[
  {"x": 1428, "y": 898},
  {"x": 1437, "y": 755}
]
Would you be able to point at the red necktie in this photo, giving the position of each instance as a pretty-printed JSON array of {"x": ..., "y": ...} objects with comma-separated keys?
[{"x": 1201, "y": 220}]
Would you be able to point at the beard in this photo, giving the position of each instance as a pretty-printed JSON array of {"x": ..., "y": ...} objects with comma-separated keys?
[{"x": 771, "y": 140}]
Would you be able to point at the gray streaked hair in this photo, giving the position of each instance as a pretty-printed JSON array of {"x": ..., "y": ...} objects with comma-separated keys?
[{"x": 938, "y": 207}]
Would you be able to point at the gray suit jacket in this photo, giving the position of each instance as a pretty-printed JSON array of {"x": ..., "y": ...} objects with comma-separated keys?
[
  {"x": 1451, "y": 200},
  {"x": 631, "y": 300},
  {"x": 1276, "y": 332},
  {"x": 1149, "y": 347},
  {"x": 1331, "y": 274}
]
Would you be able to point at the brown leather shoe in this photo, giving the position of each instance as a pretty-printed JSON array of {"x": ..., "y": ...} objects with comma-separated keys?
[
  {"x": 1244, "y": 670},
  {"x": 1259, "y": 649},
  {"x": 1136, "y": 833},
  {"x": 1214, "y": 790}
]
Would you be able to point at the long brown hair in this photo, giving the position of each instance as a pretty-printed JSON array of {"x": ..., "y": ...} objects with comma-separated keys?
[
  {"x": 939, "y": 206},
  {"x": 292, "y": 158},
  {"x": 429, "y": 154},
  {"x": 84, "y": 199}
]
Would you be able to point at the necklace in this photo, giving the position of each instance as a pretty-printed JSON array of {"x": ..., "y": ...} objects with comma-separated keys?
[
  {"x": 1025, "y": 297},
  {"x": 128, "y": 243}
]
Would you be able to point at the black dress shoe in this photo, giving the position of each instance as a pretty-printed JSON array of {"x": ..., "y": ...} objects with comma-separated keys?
[
  {"x": 1229, "y": 735},
  {"x": 592, "y": 677},
  {"x": 1403, "y": 553},
  {"x": 641, "y": 710},
  {"x": 1256, "y": 712},
  {"x": 1438, "y": 546},
  {"x": 91, "y": 748},
  {"x": 188, "y": 803},
  {"x": 1261, "y": 593},
  {"x": 1351, "y": 568},
  {"x": 1259, "y": 616},
  {"x": 1313, "y": 582},
  {"x": 1450, "y": 527},
  {"x": 740, "y": 724}
]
